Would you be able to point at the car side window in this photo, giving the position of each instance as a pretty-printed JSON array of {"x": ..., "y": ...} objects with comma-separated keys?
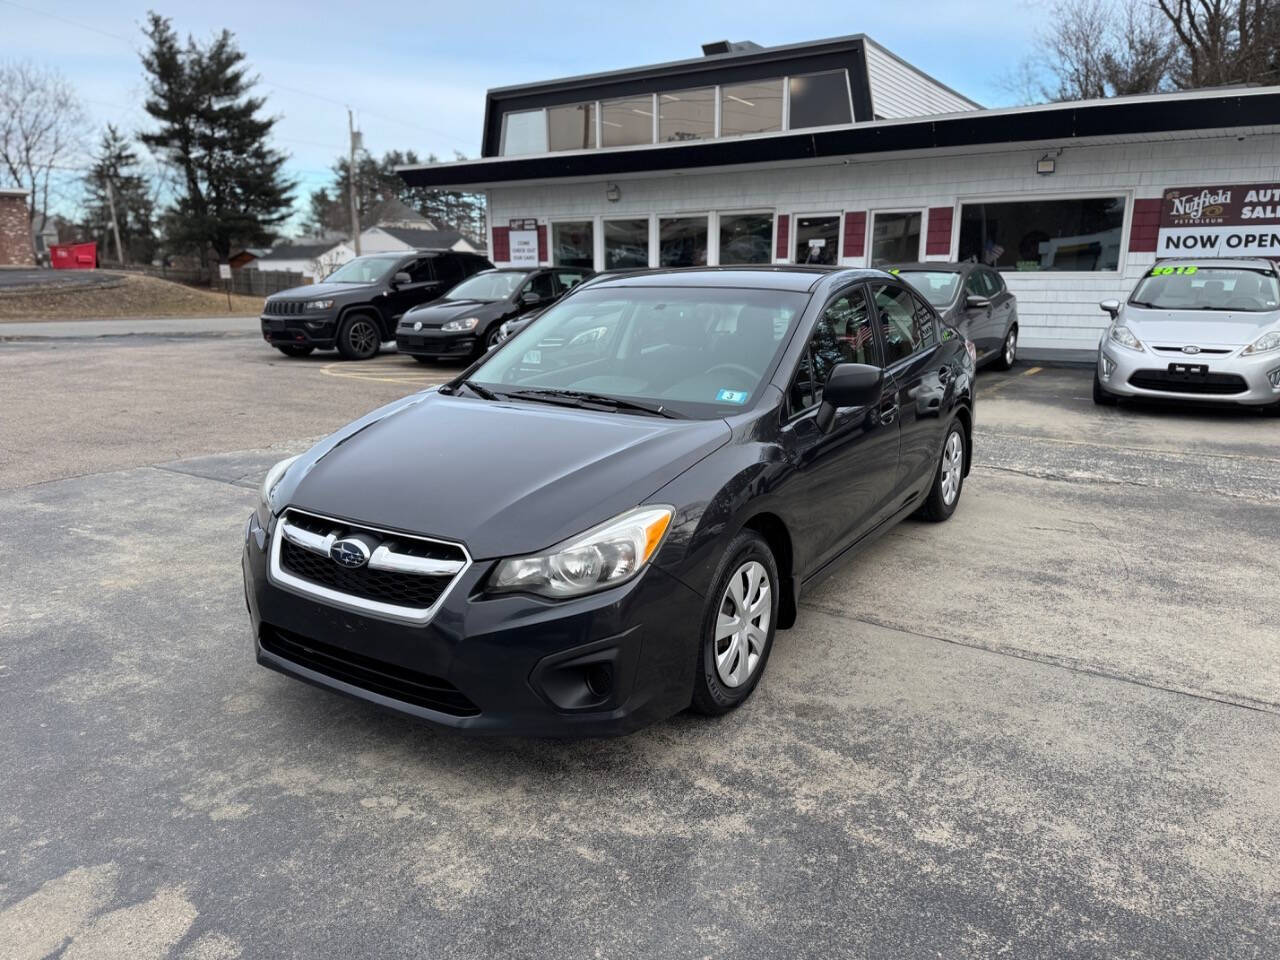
[
  {"x": 905, "y": 323},
  {"x": 566, "y": 280},
  {"x": 421, "y": 270},
  {"x": 842, "y": 334},
  {"x": 975, "y": 284},
  {"x": 995, "y": 283},
  {"x": 541, "y": 284},
  {"x": 448, "y": 271}
]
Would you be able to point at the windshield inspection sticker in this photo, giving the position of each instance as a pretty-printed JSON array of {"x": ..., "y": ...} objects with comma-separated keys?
[{"x": 732, "y": 396}]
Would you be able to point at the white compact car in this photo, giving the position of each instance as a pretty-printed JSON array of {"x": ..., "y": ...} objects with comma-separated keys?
[{"x": 1204, "y": 330}]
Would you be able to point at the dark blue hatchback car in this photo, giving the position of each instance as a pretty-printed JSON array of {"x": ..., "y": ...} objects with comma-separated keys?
[{"x": 605, "y": 520}]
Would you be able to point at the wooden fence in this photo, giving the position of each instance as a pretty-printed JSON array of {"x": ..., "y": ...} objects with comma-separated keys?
[{"x": 246, "y": 280}]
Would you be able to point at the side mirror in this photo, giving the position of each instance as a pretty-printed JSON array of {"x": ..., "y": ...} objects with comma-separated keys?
[
  {"x": 1110, "y": 306},
  {"x": 401, "y": 279},
  {"x": 530, "y": 298},
  {"x": 849, "y": 385},
  {"x": 977, "y": 302}
]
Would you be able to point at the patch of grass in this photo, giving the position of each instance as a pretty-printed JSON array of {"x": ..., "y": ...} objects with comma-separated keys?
[{"x": 136, "y": 296}]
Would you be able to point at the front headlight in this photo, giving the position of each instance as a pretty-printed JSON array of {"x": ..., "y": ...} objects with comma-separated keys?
[
  {"x": 1124, "y": 336},
  {"x": 1265, "y": 343},
  {"x": 269, "y": 482},
  {"x": 317, "y": 305},
  {"x": 458, "y": 326},
  {"x": 604, "y": 556}
]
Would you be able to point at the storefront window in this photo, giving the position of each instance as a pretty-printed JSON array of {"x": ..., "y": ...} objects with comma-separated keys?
[
  {"x": 746, "y": 238},
  {"x": 573, "y": 244},
  {"x": 524, "y": 132},
  {"x": 895, "y": 238},
  {"x": 626, "y": 244},
  {"x": 817, "y": 239},
  {"x": 1081, "y": 234},
  {"x": 682, "y": 242},
  {"x": 687, "y": 114},
  {"x": 572, "y": 127},
  {"x": 625, "y": 123},
  {"x": 750, "y": 108},
  {"x": 819, "y": 99}
]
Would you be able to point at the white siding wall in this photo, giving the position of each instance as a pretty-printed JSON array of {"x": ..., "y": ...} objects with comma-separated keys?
[
  {"x": 898, "y": 90},
  {"x": 1058, "y": 310}
]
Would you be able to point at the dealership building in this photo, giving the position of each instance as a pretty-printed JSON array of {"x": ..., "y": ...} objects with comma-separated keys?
[{"x": 839, "y": 152}]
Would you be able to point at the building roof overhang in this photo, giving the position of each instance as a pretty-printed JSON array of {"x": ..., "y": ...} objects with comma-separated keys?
[{"x": 1184, "y": 115}]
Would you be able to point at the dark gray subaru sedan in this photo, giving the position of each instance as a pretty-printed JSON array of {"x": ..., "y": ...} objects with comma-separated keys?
[{"x": 605, "y": 520}]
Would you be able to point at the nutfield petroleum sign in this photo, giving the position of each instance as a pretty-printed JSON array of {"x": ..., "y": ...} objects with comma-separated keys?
[{"x": 1232, "y": 221}]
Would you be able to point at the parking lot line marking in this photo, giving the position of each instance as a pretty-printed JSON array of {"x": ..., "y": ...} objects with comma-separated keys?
[
  {"x": 343, "y": 372},
  {"x": 1032, "y": 370}
]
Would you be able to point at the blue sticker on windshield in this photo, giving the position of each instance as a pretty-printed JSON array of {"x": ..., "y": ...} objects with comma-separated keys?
[{"x": 732, "y": 396}]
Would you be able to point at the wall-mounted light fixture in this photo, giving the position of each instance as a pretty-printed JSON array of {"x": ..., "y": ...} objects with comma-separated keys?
[
  {"x": 1046, "y": 165},
  {"x": 612, "y": 193}
]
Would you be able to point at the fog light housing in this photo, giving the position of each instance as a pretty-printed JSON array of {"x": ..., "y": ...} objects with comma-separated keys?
[
  {"x": 1273, "y": 378},
  {"x": 1108, "y": 367}
]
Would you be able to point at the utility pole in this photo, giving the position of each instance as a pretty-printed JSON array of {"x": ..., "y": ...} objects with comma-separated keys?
[
  {"x": 351, "y": 181},
  {"x": 115, "y": 225}
]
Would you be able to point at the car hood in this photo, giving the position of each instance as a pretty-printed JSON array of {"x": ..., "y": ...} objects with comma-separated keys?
[
  {"x": 317, "y": 291},
  {"x": 439, "y": 311},
  {"x": 502, "y": 477},
  {"x": 1176, "y": 328}
]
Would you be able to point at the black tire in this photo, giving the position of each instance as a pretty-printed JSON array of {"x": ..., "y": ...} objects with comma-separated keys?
[
  {"x": 1008, "y": 351},
  {"x": 423, "y": 359},
  {"x": 359, "y": 337},
  {"x": 489, "y": 340},
  {"x": 1101, "y": 396},
  {"x": 937, "y": 507},
  {"x": 711, "y": 694},
  {"x": 292, "y": 350}
]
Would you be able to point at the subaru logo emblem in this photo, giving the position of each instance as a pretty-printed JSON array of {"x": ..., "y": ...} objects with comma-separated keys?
[
  {"x": 1190, "y": 349},
  {"x": 349, "y": 553},
  {"x": 417, "y": 324}
]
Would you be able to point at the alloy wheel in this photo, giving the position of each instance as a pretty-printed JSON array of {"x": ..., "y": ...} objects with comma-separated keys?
[
  {"x": 952, "y": 467},
  {"x": 1011, "y": 347},
  {"x": 363, "y": 338},
  {"x": 742, "y": 625}
]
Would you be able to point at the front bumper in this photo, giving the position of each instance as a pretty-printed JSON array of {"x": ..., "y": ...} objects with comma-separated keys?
[
  {"x": 299, "y": 331},
  {"x": 435, "y": 343},
  {"x": 502, "y": 665},
  {"x": 1221, "y": 378}
]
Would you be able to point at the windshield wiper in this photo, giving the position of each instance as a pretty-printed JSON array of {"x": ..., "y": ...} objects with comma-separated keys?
[
  {"x": 580, "y": 398},
  {"x": 1143, "y": 303},
  {"x": 484, "y": 393}
]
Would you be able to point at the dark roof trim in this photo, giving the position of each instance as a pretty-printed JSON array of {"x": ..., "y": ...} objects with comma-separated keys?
[{"x": 1139, "y": 115}]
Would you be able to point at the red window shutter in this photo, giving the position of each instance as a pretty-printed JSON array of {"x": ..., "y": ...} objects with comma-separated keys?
[
  {"x": 501, "y": 244},
  {"x": 784, "y": 238},
  {"x": 855, "y": 233},
  {"x": 937, "y": 241},
  {"x": 542, "y": 243},
  {"x": 1145, "y": 229}
]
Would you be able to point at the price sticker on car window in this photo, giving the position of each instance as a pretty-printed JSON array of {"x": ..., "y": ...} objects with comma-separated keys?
[
  {"x": 738, "y": 397},
  {"x": 533, "y": 357}
]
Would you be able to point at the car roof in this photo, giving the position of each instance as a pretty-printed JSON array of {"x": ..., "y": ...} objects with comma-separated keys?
[
  {"x": 798, "y": 278},
  {"x": 943, "y": 265},
  {"x": 1247, "y": 263}
]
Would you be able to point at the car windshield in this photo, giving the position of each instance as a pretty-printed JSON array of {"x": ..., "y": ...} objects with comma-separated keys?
[
  {"x": 1207, "y": 287},
  {"x": 488, "y": 286},
  {"x": 363, "y": 270},
  {"x": 701, "y": 352},
  {"x": 938, "y": 286}
]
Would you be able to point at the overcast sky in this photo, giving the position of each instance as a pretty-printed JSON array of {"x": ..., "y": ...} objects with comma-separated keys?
[{"x": 416, "y": 72}]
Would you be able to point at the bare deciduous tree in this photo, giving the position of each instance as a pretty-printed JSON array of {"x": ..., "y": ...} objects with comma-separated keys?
[
  {"x": 41, "y": 128},
  {"x": 1225, "y": 41}
]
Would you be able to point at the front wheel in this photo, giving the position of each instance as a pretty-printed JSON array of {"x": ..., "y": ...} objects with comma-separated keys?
[
  {"x": 1009, "y": 351},
  {"x": 737, "y": 626},
  {"x": 948, "y": 478},
  {"x": 358, "y": 338}
]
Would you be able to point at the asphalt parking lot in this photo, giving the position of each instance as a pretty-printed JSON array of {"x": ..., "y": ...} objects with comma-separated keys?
[{"x": 1047, "y": 728}]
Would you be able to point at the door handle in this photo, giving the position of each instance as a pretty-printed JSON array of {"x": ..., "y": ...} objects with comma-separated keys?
[
  {"x": 888, "y": 411},
  {"x": 944, "y": 375}
]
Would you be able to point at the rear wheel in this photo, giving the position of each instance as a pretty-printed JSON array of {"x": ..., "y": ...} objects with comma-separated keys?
[
  {"x": 1101, "y": 396},
  {"x": 1008, "y": 351},
  {"x": 291, "y": 350},
  {"x": 948, "y": 479},
  {"x": 737, "y": 625},
  {"x": 358, "y": 338}
]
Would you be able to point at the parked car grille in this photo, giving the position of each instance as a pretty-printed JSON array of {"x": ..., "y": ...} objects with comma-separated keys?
[
  {"x": 1200, "y": 350},
  {"x": 415, "y": 591},
  {"x": 376, "y": 676},
  {"x": 1207, "y": 383},
  {"x": 283, "y": 307}
]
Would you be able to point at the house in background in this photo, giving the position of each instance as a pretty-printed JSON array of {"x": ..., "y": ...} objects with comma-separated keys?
[
  {"x": 384, "y": 239},
  {"x": 315, "y": 261},
  {"x": 245, "y": 257}
]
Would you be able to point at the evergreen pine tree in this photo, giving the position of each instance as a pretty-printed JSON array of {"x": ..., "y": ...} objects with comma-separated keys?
[{"x": 115, "y": 162}]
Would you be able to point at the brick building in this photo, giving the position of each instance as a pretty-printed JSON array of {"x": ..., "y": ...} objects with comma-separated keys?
[
  {"x": 839, "y": 152},
  {"x": 15, "y": 230}
]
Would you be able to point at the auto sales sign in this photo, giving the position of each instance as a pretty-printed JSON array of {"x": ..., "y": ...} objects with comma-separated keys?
[{"x": 1231, "y": 221}]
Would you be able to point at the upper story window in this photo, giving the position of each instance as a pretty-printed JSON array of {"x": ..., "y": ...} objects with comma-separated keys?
[{"x": 699, "y": 113}]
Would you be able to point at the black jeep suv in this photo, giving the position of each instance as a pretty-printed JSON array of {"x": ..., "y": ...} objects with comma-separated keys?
[{"x": 356, "y": 307}]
